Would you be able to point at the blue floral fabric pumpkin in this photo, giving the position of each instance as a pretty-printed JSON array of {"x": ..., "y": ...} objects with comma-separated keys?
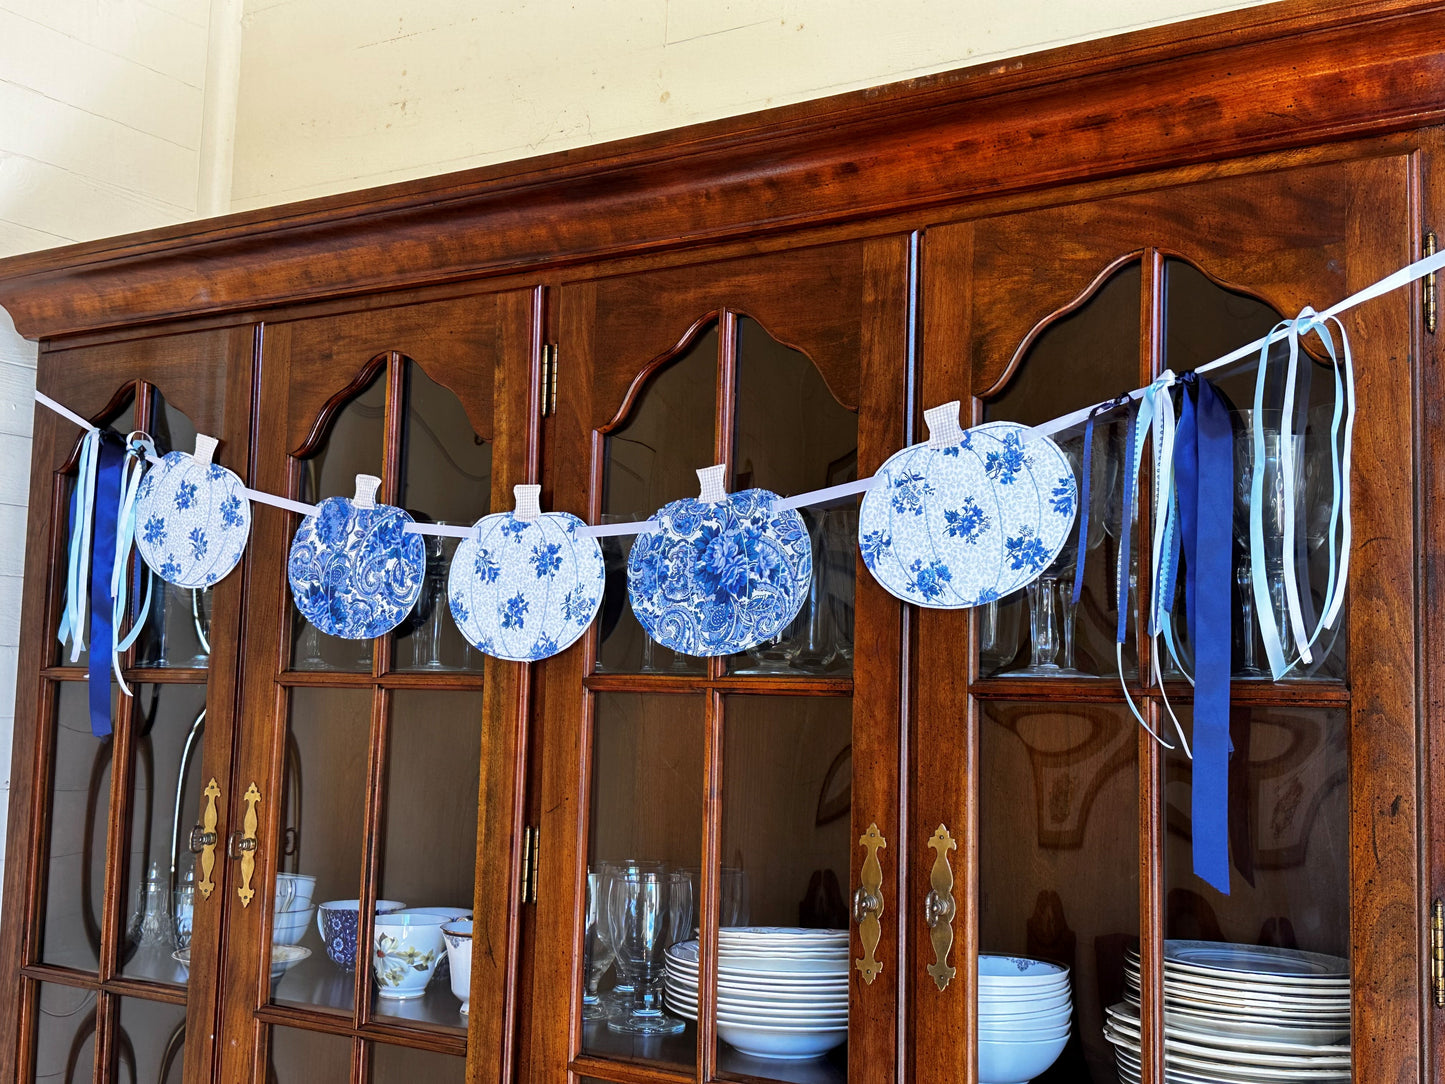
[
  {"x": 967, "y": 517},
  {"x": 354, "y": 571},
  {"x": 525, "y": 584},
  {"x": 721, "y": 573},
  {"x": 192, "y": 517}
]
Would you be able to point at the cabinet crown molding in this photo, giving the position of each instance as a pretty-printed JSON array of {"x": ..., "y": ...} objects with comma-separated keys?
[{"x": 1261, "y": 79}]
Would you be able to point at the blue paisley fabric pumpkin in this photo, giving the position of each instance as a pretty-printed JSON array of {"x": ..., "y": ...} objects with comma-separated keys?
[
  {"x": 525, "y": 584},
  {"x": 720, "y": 573},
  {"x": 967, "y": 517},
  {"x": 354, "y": 571},
  {"x": 192, "y": 517}
]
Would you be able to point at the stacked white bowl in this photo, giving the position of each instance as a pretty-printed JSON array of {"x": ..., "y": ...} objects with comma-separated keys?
[
  {"x": 1025, "y": 1011},
  {"x": 782, "y": 992}
]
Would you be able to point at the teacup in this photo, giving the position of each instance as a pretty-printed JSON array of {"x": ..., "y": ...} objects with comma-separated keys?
[
  {"x": 406, "y": 949},
  {"x": 449, "y": 913},
  {"x": 336, "y": 923},
  {"x": 458, "y": 936}
]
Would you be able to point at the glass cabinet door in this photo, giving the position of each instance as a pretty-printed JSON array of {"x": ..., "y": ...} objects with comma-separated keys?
[
  {"x": 366, "y": 759},
  {"x": 1081, "y": 821},
  {"x": 123, "y": 938},
  {"x": 702, "y": 818}
]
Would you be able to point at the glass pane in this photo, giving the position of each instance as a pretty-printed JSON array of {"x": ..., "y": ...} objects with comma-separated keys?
[
  {"x": 149, "y": 1042},
  {"x": 446, "y": 477},
  {"x": 793, "y": 436},
  {"x": 78, "y": 816},
  {"x": 1059, "y": 857},
  {"x": 430, "y": 852},
  {"x": 647, "y": 789},
  {"x": 400, "y": 1065},
  {"x": 323, "y": 811},
  {"x": 786, "y": 846},
  {"x": 651, "y": 459},
  {"x": 354, "y": 445},
  {"x": 1090, "y": 354},
  {"x": 1204, "y": 321},
  {"x": 166, "y": 783},
  {"x": 1289, "y": 836},
  {"x": 307, "y": 1057},
  {"x": 177, "y": 630},
  {"x": 65, "y": 1034}
]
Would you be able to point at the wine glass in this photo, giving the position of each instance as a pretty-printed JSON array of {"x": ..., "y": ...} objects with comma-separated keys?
[
  {"x": 596, "y": 946},
  {"x": 647, "y": 912},
  {"x": 619, "y": 998}
]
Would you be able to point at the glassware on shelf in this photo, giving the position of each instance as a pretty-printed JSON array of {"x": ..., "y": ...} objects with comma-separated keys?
[
  {"x": 426, "y": 638},
  {"x": 647, "y": 912},
  {"x": 597, "y": 947},
  {"x": 150, "y": 923},
  {"x": 183, "y": 907},
  {"x": 998, "y": 633},
  {"x": 1044, "y": 631},
  {"x": 619, "y": 997}
]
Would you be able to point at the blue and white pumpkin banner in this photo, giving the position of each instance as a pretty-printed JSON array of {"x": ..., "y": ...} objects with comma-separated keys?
[{"x": 960, "y": 520}]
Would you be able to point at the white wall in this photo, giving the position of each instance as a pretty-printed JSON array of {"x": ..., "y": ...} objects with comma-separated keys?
[
  {"x": 119, "y": 115},
  {"x": 338, "y": 96},
  {"x": 105, "y": 127}
]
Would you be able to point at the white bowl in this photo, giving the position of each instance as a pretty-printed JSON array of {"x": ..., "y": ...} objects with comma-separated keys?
[
  {"x": 783, "y": 1044},
  {"x": 288, "y": 927},
  {"x": 997, "y": 969},
  {"x": 1024, "y": 1035},
  {"x": 448, "y": 913},
  {"x": 302, "y": 886},
  {"x": 1003, "y": 1062},
  {"x": 458, "y": 937},
  {"x": 407, "y": 949},
  {"x": 1024, "y": 1008}
]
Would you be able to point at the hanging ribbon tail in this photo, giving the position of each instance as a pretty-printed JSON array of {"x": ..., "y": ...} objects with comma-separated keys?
[
  {"x": 1209, "y": 568},
  {"x": 111, "y": 460},
  {"x": 77, "y": 580}
]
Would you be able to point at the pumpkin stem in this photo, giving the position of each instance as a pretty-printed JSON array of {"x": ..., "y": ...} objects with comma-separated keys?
[
  {"x": 528, "y": 505},
  {"x": 943, "y": 427},
  {"x": 205, "y": 448},
  {"x": 366, "y": 487},
  {"x": 714, "y": 483}
]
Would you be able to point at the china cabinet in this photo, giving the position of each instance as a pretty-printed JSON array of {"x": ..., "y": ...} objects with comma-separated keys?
[{"x": 199, "y": 895}]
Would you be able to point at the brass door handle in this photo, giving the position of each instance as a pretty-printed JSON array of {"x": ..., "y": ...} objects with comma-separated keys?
[
  {"x": 203, "y": 839},
  {"x": 939, "y": 907},
  {"x": 243, "y": 845},
  {"x": 868, "y": 904}
]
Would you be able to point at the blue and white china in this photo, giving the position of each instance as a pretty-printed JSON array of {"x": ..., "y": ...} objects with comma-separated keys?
[
  {"x": 458, "y": 936},
  {"x": 406, "y": 951},
  {"x": 300, "y": 886},
  {"x": 967, "y": 517},
  {"x": 336, "y": 923},
  {"x": 721, "y": 572},
  {"x": 192, "y": 517},
  {"x": 353, "y": 569},
  {"x": 525, "y": 584},
  {"x": 1025, "y": 1016}
]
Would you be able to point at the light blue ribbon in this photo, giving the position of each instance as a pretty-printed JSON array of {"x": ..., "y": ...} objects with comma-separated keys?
[
  {"x": 77, "y": 576},
  {"x": 139, "y": 449}
]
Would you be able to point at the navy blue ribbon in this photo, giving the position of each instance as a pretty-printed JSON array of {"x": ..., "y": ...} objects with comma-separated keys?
[
  {"x": 102, "y": 559},
  {"x": 1204, "y": 479},
  {"x": 1087, "y": 472}
]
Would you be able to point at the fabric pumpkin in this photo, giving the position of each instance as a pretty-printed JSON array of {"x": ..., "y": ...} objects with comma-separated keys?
[
  {"x": 720, "y": 573},
  {"x": 192, "y": 517},
  {"x": 967, "y": 517},
  {"x": 353, "y": 569},
  {"x": 525, "y": 584}
]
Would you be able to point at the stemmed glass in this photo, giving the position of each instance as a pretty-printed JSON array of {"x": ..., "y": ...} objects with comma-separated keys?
[
  {"x": 647, "y": 912},
  {"x": 1272, "y": 509},
  {"x": 597, "y": 947}
]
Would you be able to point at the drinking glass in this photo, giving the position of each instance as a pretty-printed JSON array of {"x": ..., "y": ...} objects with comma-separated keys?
[
  {"x": 647, "y": 912},
  {"x": 619, "y": 998},
  {"x": 1272, "y": 511},
  {"x": 597, "y": 947}
]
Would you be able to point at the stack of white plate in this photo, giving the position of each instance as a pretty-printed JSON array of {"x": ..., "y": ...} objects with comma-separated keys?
[
  {"x": 1025, "y": 1011},
  {"x": 1241, "y": 1014},
  {"x": 782, "y": 992}
]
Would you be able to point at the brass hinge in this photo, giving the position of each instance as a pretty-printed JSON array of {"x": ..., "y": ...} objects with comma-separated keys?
[
  {"x": 530, "y": 838},
  {"x": 1437, "y": 952},
  {"x": 1427, "y": 289},
  {"x": 549, "y": 380}
]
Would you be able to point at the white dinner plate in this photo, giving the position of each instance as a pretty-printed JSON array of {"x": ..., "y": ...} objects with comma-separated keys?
[
  {"x": 1226, "y": 1034},
  {"x": 1232, "y": 987},
  {"x": 1214, "y": 1049},
  {"x": 1283, "y": 963},
  {"x": 1284, "y": 1031},
  {"x": 1235, "y": 1074}
]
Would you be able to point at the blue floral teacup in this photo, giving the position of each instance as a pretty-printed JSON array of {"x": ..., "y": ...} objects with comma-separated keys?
[
  {"x": 336, "y": 922},
  {"x": 405, "y": 953}
]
